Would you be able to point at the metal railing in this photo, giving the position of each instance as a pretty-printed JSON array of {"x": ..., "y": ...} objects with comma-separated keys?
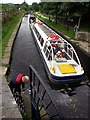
[
  {"x": 20, "y": 102},
  {"x": 41, "y": 97}
]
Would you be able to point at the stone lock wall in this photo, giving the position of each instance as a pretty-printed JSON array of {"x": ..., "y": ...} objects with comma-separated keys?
[{"x": 83, "y": 36}]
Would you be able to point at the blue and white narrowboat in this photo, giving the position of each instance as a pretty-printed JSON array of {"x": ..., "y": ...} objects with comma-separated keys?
[{"x": 60, "y": 58}]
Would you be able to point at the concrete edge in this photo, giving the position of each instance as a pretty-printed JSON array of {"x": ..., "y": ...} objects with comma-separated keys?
[
  {"x": 9, "y": 106},
  {"x": 8, "y": 51}
]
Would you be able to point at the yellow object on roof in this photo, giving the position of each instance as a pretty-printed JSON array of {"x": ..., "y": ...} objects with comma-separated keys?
[
  {"x": 66, "y": 68},
  {"x": 37, "y": 20}
]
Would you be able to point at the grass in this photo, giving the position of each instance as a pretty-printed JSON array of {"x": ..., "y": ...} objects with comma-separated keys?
[
  {"x": 60, "y": 28},
  {"x": 0, "y": 41},
  {"x": 63, "y": 28},
  {"x": 8, "y": 29},
  {"x": 0, "y": 53}
]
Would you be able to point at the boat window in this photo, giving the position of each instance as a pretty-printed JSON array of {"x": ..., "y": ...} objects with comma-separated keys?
[
  {"x": 70, "y": 53},
  {"x": 45, "y": 46},
  {"x": 39, "y": 37},
  {"x": 74, "y": 57},
  {"x": 37, "y": 34},
  {"x": 67, "y": 56},
  {"x": 35, "y": 30},
  {"x": 62, "y": 45},
  {"x": 47, "y": 53},
  {"x": 49, "y": 47},
  {"x": 65, "y": 47},
  {"x": 41, "y": 41},
  {"x": 50, "y": 56}
]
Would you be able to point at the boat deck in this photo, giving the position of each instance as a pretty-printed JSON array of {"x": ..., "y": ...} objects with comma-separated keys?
[{"x": 45, "y": 29}]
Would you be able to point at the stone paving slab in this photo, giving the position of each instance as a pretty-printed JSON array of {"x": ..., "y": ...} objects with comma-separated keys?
[
  {"x": 0, "y": 100},
  {"x": 83, "y": 45},
  {"x": 3, "y": 70},
  {"x": 6, "y": 55},
  {"x": 11, "y": 115},
  {"x": 9, "y": 106},
  {"x": 9, "y": 44},
  {"x": 8, "y": 49},
  {"x": 0, "y": 113},
  {"x": 5, "y": 61},
  {"x": 0, "y": 89}
]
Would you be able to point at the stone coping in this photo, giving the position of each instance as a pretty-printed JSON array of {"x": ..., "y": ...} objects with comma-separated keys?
[
  {"x": 83, "y": 45},
  {"x": 8, "y": 106}
]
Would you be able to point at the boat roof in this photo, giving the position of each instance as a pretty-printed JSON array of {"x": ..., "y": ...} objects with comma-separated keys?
[
  {"x": 46, "y": 30},
  {"x": 48, "y": 33},
  {"x": 31, "y": 15}
]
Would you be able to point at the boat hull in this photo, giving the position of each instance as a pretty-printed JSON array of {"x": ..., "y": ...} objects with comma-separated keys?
[
  {"x": 56, "y": 79},
  {"x": 69, "y": 79}
]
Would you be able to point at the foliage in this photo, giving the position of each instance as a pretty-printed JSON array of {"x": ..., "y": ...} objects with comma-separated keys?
[
  {"x": 0, "y": 7},
  {"x": 59, "y": 28},
  {"x": 68, "y": 10},
  {"x": 35, "y": 6},
  {"x": 12, "y": 13},
  {"x": 24, "y": 6},
  {"x": 8, "y": 7},
  {"x": 7, "y": 29}
]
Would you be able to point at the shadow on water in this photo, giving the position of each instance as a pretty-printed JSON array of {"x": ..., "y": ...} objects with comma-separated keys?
[{"x": 70, "y": 88}]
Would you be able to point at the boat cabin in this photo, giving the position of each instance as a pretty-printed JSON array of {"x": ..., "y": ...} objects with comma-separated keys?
[{"x": 32, "y": 18}]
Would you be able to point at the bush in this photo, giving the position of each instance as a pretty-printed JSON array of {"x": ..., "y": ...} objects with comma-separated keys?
[{"x": 8, "y": 27}]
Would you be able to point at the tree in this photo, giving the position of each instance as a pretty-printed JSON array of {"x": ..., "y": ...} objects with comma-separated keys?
[
  {"x": 69, "y": 10},
  {"x": 35, "y": 6},
  {"x": 82, "y": 8},
  {"x": 24, "y": 6},
  {"x": 50, "y": 8}
]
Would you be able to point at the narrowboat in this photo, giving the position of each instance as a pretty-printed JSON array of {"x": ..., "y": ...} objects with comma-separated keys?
[{"x": 60, "y": 58}]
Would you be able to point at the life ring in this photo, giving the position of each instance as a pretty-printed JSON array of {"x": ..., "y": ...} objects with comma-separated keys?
[{"x": 54, "y": 36}]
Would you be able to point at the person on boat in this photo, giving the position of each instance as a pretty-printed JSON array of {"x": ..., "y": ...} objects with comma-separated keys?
[
  {"x": 31, "y": 21},
  {"x": 56, "y": 48},
  {"x": 16, "y": 83},
  {"x": 58, "y": 55},
  {"x": 63, "y": 53},
  {"x": 61, "y": 45}
]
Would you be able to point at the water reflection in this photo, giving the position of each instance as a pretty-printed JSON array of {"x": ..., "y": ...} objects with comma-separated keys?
[{"x": 70, "y": 88}]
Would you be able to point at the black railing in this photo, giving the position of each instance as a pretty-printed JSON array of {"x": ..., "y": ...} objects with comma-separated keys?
[
  {"x": 20, "y": 102},
  {"x": 42, "y": 98}
]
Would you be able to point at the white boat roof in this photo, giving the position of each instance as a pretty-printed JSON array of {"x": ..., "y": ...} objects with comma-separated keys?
[{"x": 46, "y": 30}]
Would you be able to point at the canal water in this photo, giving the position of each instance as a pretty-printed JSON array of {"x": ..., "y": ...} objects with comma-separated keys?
[{"x": 25, "y": 53}]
